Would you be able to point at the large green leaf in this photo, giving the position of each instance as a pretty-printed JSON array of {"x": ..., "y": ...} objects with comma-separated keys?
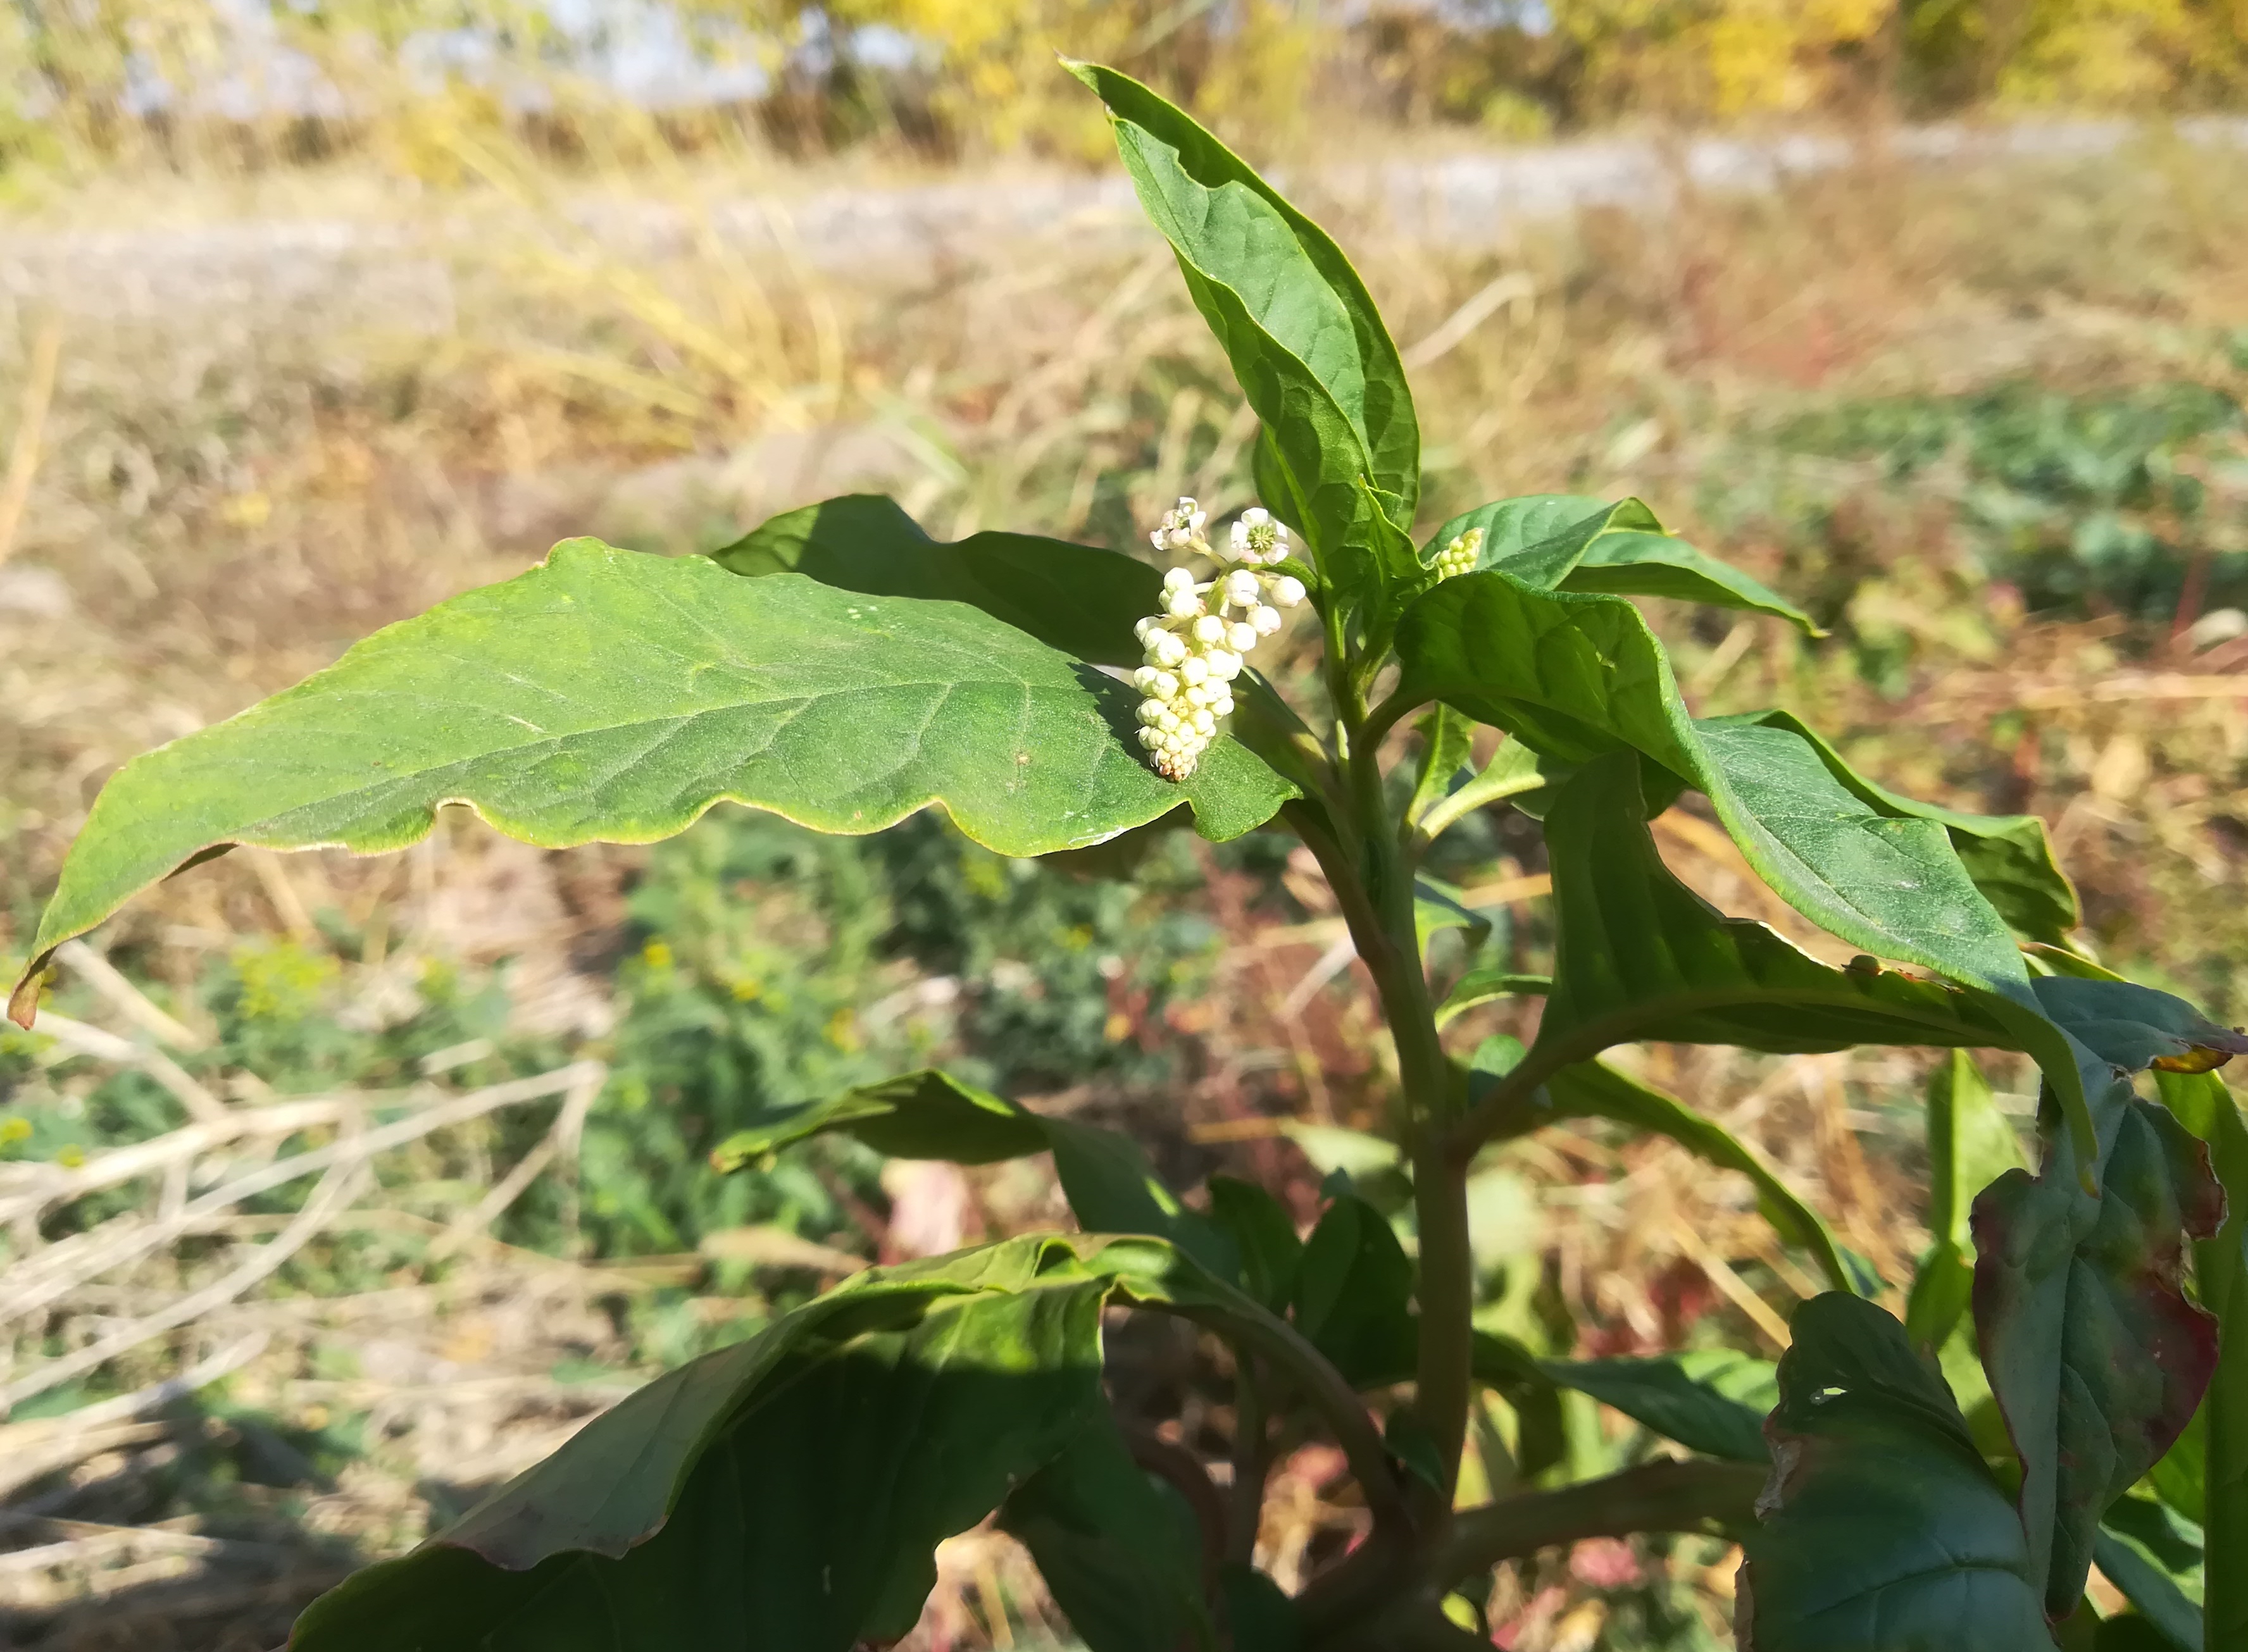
[
  {"x": 929, "y": 1114},
  {"x": 1566, "y": 541},
  {"x": 2096, "y": 1357},
  {"x": 1305, "y": 341},
  {"x": 1119, "y": 1549},
  {"x": 1593, "y": 1089},
  {"x": 1071, "y": 598},
  {"x": 2206, "y": 1107},
  {"x": 1641, "y": 956},
  {"x": 2009, "y": 856},
  {"x": 788, "y": 1491},
  {"x": 1970, "y": 1144},
  {"x": 615, "y": 696},
  {"x": 1883, "y": 1530},
  {"x": 1576, "y": 677},
  {"x": 1709, "y": 1400}
]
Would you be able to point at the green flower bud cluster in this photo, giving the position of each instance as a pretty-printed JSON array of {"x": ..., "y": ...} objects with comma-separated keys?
[
  {"x": 1195, "y": 647},
  {"x": 1459, "y": 556}
]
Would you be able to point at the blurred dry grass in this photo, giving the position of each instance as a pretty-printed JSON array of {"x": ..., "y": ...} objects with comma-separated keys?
[{"x": 218, "y": 491}]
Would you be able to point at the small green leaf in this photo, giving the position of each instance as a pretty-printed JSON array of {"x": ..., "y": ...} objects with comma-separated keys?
[
  {"x": 1446, "y": 748},
  {"x": 1514, "y": 772},
  {"x": 1709, "y": 1400},
  {"x": 1353, "y": 1291},
  {"x": 612, "y": 696},
  {"x": 1438, "y": 905},
  {"x": 1593, "y": 1089},
  {"x": 1305, "y": 341},
  {"x": 1265, "y": 1235},
  {"x": 1119, "y": 1549},
  {"x": 1488, "y": 986},
  {"x": 1970, "y": 1144},
  {"x": 1071, "y": 598},
  {"x": 1883, "y": 1530},
  {"x": 2096, "y": 1357},
  {"x": 2144, "y": 1552},
  {"x": 824, "y": 1459},
  {"x": 1566, "y": 541},
  {"x": 2218, "y": 1470},
  {"x": 1110, "y": 1185}
]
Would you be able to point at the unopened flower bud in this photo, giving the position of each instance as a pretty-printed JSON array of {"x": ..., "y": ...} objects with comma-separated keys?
[
  {"x": 1194, "y": 668},
  {"x": 1287, "y": 591},
  {"x": 1182, "y": 603},
  {"x": 1242, "y": 635},
  {"x": 1266, "y": 620},
  {"x": 1241, "y": 588},
  {"x": 1223, "y": 665},
  {"x": 1164, "y": 648},
  {"x": 1178, "y": 579},
  {"x": 1209, "y": 630}
]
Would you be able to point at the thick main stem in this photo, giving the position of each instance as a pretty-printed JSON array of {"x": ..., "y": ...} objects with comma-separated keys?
[{"x": 1374, "y": 883}]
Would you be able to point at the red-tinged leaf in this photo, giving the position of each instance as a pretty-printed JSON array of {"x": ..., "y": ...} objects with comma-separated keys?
[{"x": 2096, "y": 1357}]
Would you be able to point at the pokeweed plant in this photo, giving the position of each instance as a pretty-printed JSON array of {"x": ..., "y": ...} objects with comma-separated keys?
[{"x": 840, "y": 667}]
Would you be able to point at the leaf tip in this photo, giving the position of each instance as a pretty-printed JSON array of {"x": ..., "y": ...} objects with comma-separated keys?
[{"x": 24, "y": 1002}]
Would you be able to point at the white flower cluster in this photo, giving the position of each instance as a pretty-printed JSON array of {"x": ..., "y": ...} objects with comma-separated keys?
[
  {"x": 1195, "y": 646},
  {"x": 1459, "y": 556}
]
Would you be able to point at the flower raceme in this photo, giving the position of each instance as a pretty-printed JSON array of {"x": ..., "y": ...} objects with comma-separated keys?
[{"x": 1196, "y": 646}]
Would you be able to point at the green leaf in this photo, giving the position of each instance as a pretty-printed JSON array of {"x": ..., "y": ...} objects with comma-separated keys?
[
  {"x": 1446, "y": 748},
  {"x": 2097, "y": 1359},
  {"x": 1305, "y": 341},
  {"x": 1119, "y": 1549},
  {"x": 1353, "y": 1291},
  {"x": 1970, "y": 1144},
  {"x": 1263, "y": 1234},
  {"x": 1567, "y": 541},
  {"x": 1438, "y": 905},
  {"x": 2207, "y": 1108},
  {"x": 1709, "y": 1400},
  {"x": 1071, "y": 598},
  {"x": 1514, "y": 772},
  {"x": 1593, "y": 1089},
  {"x": 2144, "y": 1553},
  {"x": 1883, "y": 1530},
  {"x": 609, "y": 695},
  {"x": 823, "y": 1460},
  {"x": 2009, "y": 856},
  {"x": 1575, "y": 676},
  {"x": 1641, "y": 956},
  {"x": 1488, "y": 986},
  {"x": 929, "y": 1114}
]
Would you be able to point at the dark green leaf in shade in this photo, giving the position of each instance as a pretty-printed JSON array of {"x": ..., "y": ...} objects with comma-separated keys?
[
  {"x": 1119, "y": 1549},
  {"x": 1106, "y": 1177},
  {"x": 2216, "y": 1464},
  {"x": 612, "y": 696},
  {"x": 2148, "y": 1553},
  {"x": 1438, "y": 905},
  {"x": 1882, "y": 1529},
  {"x": 1593, "y": 1089},
  {"x": 790, "y": 1488},
  {"x": 1354, "y": 1290},
  {"x": 1310, "y": 350},
  {"x": 1970, "y": 1144},
  {"x": 1259, "y": 1616},
  {"x": 2096, "y": 1357},
  {"x": 1566, "y": 541},
  {"x": 1709, "y": 1400},
  {"x": 1264, "y": 1236},
  {"x": 1074, "y": 599}
]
